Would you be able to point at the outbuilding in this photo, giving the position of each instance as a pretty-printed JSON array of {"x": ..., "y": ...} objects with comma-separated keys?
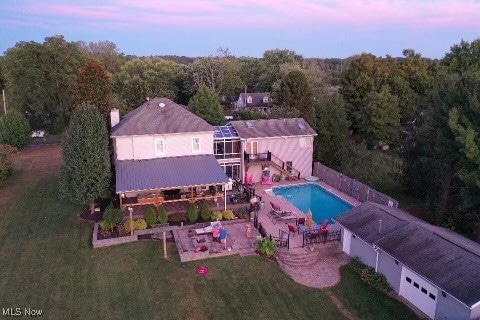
[{"x": 435, "y": 269}]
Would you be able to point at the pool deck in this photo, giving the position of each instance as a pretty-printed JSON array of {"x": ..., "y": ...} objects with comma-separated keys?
[{"x": 296, "y": 240}]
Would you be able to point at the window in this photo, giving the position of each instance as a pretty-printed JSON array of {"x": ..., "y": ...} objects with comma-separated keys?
[
  {"x": 409, "y": 280},
  {"x": 160, "y": 147},
  {"x": 432, "y": 296},
  {"x": 416, "y": 285},
  {"x": 265, "y": 99},
  {"x": 232, "y": 170},
  {"x": 288, "y": 166},
  {"x": 227, "y": 149},
  {"x": 249, "y": 99},
  {"x": 196, "y": 145},
  {"x": 424, "y": 290}
]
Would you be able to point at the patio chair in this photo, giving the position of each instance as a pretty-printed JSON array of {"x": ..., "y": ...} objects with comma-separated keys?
[
  {"x": 283, "y": 216},
  {"x": 292, "y": 229},
  {"x": 300, "y": 221}
]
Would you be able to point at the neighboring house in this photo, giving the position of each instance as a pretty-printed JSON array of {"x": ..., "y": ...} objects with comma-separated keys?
[
  {"x": 260, "y": 102},
  {"x": 164, "y": 153},
  {"x": 435, "y": 269},
  {"x": 283, "y": 147}
]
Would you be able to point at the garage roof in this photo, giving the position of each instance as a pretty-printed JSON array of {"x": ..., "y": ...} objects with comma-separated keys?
[{"x": 441, "y": 256}]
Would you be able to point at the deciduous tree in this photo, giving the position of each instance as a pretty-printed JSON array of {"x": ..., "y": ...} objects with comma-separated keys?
[
  {"x": 94, "y": 87},
  {"x": 294, "y": 97},
  {"x": 149, "y": 77},
  {"x": 39, "y": 78}
]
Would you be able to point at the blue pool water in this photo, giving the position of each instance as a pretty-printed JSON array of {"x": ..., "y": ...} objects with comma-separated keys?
[{"x": 323, "y": 204}]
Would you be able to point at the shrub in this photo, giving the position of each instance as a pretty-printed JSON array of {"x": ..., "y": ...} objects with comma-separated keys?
[
  {"x": 368, "y": 274},
  {"x": 267, "y": 246},
  {"x": 140, "y": 224},
  {"x": 162, "y": 215},
  {"x": 206, "y": 211},
  {"x": 128, "y": 226},
  {"x": 113, "y": 216},
  {"x": 192, "y": 213},
  {"x": 121, "y": 230},
  {"x": 106, "y": 225},
  {"x": 178, "y": 217},
  {"x": 228, "y": 215},
  {"x": 15, "y": 129},
  {"x": 150, "y": 217},
  {"x": 217, "y": 215},
  {"x": 7, "y": 154}
]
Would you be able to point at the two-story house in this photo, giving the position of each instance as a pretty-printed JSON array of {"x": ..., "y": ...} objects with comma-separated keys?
[
  {"x": 260, "y": 102},
  {"x": 164, "y": 153},
  {"x": 281, "y": 147}
]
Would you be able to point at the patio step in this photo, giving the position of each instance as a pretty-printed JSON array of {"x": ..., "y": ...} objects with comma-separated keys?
[{"x": 301, "y": 257}]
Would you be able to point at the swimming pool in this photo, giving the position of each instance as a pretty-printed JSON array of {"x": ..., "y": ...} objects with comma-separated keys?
[{"x": 323, "y": 204}]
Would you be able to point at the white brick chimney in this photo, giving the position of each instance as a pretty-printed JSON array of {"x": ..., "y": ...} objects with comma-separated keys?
[{"x": 114, "y": 117}]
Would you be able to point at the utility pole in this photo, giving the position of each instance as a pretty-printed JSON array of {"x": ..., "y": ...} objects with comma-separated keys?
[{"x": 4, "y": 103}]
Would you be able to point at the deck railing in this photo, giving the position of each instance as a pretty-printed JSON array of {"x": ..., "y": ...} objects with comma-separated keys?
[{"x": 313, "y": 237}]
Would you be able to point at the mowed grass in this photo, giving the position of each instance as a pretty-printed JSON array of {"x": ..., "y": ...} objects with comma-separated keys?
[
  {"x": 47, "y": 262},
  {"x": 365, "y": 302}
]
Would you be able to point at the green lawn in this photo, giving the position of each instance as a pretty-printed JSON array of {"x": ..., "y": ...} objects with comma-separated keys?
[{"x": 46, "y": 262}]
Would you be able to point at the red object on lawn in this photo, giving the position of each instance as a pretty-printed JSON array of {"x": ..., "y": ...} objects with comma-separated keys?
[{"x": 202, "y": 270}]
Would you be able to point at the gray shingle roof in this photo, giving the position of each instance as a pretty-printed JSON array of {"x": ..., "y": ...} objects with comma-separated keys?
[
  {"x": 448, "y": 260},
  {"x": 257, "y": 99},
  {"x": 172, "y": 172},
  {"x": 150, "y": 118},
  {"x": 273, "y": 128}
]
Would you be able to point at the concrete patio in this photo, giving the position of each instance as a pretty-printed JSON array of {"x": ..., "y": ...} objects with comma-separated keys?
[{"x": 187, "y": 241}]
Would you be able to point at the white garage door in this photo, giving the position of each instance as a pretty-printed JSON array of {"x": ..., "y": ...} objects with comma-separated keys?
[
  {"x": 347, "y": 239},
  {"x": 419, "y": 292}
]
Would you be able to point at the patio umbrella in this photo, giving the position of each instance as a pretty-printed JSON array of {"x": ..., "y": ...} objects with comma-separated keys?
[{"x": 309, "y": 220}]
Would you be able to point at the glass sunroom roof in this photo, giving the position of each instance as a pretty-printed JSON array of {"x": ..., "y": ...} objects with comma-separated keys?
[{"x": 225, "y": 132}]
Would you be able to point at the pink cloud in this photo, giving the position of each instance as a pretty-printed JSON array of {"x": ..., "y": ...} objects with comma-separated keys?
[{"x": 254, "y": 14}]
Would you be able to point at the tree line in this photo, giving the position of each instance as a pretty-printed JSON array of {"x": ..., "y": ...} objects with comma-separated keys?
[{"x": 408, "y": 124}]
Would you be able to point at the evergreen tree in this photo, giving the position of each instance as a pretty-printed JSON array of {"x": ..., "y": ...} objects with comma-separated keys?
[
  {"x": 86, "y": 173},
  {"x": 205, "y": 105}
]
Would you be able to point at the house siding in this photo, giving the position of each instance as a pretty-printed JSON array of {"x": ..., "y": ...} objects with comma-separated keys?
[
  {"x": 391, "y": 270},
  {"x": 143, "y": 147},
  {"x": 286, "y": 149},
  {"x": 475, "y": 312},
  {"x": 448, "y": 308},
  {"x": 358, "y": 248}
]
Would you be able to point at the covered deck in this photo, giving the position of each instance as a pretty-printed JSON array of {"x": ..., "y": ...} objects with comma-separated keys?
[{"x": 169, "y": 180}]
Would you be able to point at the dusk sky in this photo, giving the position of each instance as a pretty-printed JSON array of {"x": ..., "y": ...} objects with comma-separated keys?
[{"x": 312, "y": 28}]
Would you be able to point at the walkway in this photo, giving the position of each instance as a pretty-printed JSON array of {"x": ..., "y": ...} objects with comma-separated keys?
[{"x": 323, "y": 273}]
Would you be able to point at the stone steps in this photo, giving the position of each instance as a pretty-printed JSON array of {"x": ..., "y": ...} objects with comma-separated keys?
[{"x": 301, "y": 257}]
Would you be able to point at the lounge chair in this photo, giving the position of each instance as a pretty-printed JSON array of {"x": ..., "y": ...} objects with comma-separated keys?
[{"x": 283, "y": 216}]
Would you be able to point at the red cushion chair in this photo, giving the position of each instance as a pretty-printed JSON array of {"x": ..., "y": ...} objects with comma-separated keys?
[{"x": 292, "y": 229}]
